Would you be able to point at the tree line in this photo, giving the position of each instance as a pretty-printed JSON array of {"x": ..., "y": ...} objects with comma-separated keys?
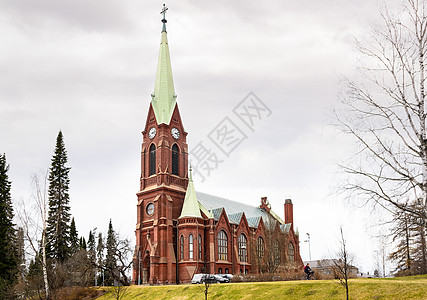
[{"x": 42, "y": 252}]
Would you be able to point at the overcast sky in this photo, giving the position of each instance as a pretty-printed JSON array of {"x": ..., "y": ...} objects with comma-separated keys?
[{"x": 88, "y": 68}]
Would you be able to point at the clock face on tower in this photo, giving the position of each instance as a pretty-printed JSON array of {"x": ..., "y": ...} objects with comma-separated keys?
[
  {"x": 175, "y": 133},
  {"x": 152, "y": 133},
  {"x": 150, "y": 209}
]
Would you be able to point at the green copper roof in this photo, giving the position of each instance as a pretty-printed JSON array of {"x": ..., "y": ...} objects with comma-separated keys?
[
  {"x": 164, "y": 98},
  {"x": 190, "y": 207}
]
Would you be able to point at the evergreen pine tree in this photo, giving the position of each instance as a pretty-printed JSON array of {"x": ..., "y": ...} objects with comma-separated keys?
[
  {"x": 110, "y": 258},
  {"x": 8, "y": 250},
  {"x": 100, "y": 256},
  {"x": 74, "y": 238},
  {"x": 82, "y": 243},
  {"x": 91, "y": 254},
  {"x": 58, "y": 228},
  {"x": 402, "y": 236},
  {"x": 91, "y": 248}
]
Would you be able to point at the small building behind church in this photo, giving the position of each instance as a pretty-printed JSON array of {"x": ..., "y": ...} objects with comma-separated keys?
[{"x": 181, "y": 232}]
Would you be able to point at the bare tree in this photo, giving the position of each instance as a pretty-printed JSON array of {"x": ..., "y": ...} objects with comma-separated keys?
[
  {"x": 122, "y": 255},
  {"x": 35, "y": 226},
  {"x": 341, "y": 266},
  {"x": 385, "y": 113},
  {"x": 274, "y": 243},
  {"x": 206, "y": 285},
  {"x": 119, "y": 291}
]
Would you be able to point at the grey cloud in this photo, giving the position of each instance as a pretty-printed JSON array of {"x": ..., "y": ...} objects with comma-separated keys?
[{"x": 86, "y": 15}]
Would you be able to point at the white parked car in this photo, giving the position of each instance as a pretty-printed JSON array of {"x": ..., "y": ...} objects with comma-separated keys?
[
  {"x": 222, "y": 278},
  {"x": 228, "y": 276},
  {"x": 209, "y": 278}
]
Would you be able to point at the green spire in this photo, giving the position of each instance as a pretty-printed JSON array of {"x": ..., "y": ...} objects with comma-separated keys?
[
  {"x": 190, "y": 207},
  {"x": 164, "y": 98}
]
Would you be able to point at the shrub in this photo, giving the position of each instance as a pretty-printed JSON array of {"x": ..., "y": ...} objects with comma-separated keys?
[{"x": 282, "y": 276}]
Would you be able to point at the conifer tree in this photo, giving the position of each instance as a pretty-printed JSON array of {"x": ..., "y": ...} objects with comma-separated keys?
[
  {"x": 82, "y": 243},
  {"x": 100, "y": 255},
  {"x": 74, "y": 238},
  {"x": 402, "y": 236},
  {"x": 91, "y": 254},
  {"x": 91, "y": 248},
  {"x": 58, "y": 227},
  {"x": 8, "y": 251},
  {"x": 110, "y": 258},
  {"x": 100, "y": 250}
]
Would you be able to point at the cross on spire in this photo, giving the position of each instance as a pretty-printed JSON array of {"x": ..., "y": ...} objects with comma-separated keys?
[
  {"x": 164, "y": 17},
  {"x": 164, "y": 13}
]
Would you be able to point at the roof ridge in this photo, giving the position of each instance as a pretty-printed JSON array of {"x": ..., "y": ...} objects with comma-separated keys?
[{"x": 237, "y": 202}]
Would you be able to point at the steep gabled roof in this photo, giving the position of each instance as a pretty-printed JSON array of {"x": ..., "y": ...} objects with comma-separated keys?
[
  {"x": 285, "y": 227},
  {"x": 217, "y": 213},
  {"x": 235, "y": 218},
  {"x": 190, "y": 208},
  {"x": 254, "y": 222},
  {"x": 235, "y": 209}
]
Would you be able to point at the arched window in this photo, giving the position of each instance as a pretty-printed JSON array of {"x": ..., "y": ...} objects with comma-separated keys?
[
  {"x": 200, "y": 247},
  {"x": 190, "y": 246},
  {"x": 276, "y": 253},
  {"x": 291, "y": 252},
  {"x": 260, "y": 247},
  {"x": 243, "y": 248},
  {"x": 175, "y": 159},
  {"x": 219, "y": 270},
  {"x": 222, "y": 246},
  {"x": 152, "y": 159},
  {"x": 226, "y": 271},
  {"x": 181, "y": 244}
]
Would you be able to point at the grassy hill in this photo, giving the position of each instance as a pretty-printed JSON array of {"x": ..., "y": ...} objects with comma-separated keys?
[{"x": 413, "y": 287}]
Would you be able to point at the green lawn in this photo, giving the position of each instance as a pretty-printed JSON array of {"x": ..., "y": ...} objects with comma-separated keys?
[{"x": 414, "y": 287}]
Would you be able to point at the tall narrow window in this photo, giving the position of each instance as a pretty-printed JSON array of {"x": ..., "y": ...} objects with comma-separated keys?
[
  {"x": 276, "y": 253},
  {"x": 260, "y": 247},
  {"x": 190, "y": 246},
  {"x": 181, "y": 246},
  {"x": 243, "y": 248},
  {"x": 222, "y": 246},
  {"x": 291, "y": 252},
  {"x": 200, "y": 247},
  {"x": 152, "y": 159},
  {"x": 175, "y": 159}
]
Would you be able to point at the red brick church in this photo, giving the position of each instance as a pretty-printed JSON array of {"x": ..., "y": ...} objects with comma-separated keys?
[{"x": 181, "y": 232}]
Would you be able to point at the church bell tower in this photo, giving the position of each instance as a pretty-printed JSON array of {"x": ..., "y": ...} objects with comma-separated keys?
[{"x": 163, "y": 181}]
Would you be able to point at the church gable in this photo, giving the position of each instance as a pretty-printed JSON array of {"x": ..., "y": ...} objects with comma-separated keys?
[
  {"x": 243, "y": 225},
  {"x": 151, "y": 119},
  {"x": 176, "y": 120},
  {"x": 223, "y": 222},
  {"x": 260, "y": 229}
]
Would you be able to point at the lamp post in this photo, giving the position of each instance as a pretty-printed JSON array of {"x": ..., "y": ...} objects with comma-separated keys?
[{"x": 309, "y": 246}]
